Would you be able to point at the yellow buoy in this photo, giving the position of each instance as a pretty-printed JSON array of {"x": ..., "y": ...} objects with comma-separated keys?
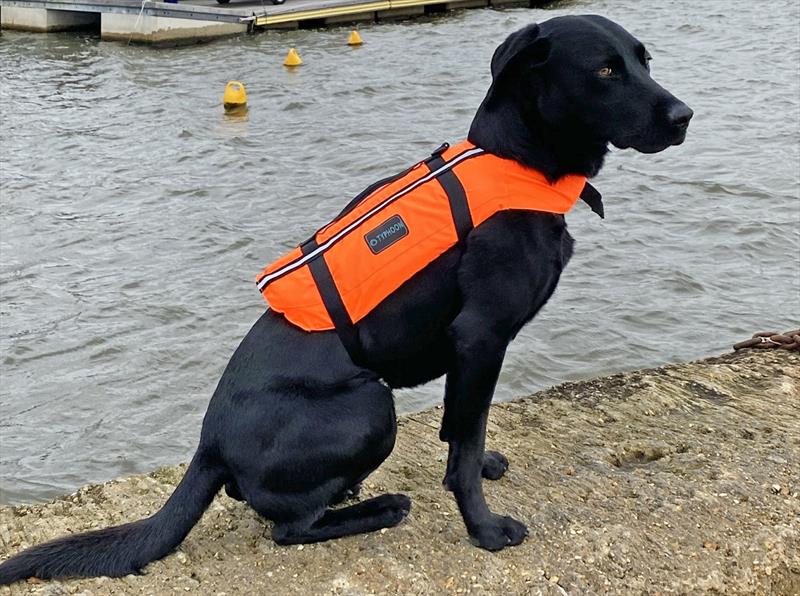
[
  {"x": 292, "y": 58},
  {"x": 354, "y": 39},
  {"x": 235, "y": 96}
]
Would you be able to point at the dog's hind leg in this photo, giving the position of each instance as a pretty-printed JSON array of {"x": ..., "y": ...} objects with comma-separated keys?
[
  {"x": 329, "y": 441},
  {"x": 232, "y": 490},
  {"x": 373, "y": 514}
]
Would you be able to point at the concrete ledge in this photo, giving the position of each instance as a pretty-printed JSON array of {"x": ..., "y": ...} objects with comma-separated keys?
[
  {"x": 150, "y": 29},
  {"x": 683, "y": 479},
  {"x": 44, "y": 21}
]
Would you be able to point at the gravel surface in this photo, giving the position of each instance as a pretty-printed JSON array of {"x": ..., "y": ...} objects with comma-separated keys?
[{"x": 683, "y": 479}]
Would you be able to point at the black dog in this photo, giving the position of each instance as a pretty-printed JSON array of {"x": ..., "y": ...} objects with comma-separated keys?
[{"x": 294, "y": 424}]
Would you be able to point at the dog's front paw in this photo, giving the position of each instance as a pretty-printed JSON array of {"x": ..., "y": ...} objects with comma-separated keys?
[
  {"x": 495, "y": 465},
  {"x": 498, "y": 532}
]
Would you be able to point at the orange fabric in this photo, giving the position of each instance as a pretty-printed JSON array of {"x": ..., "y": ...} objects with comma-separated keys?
[
  {"x": 495, "y": 184},
  {"x": 365, "y": 279}
]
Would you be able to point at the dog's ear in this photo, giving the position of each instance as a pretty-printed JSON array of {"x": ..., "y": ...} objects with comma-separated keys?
[{"x": 526, "y": 47}]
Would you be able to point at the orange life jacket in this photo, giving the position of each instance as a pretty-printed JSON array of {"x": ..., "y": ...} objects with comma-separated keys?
[{"x": 397, "y": 226}]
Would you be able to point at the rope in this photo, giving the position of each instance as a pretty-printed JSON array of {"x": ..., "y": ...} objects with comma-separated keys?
[
  {"x": 136, "y": 24},
  {"x": 771, "y": 339}
]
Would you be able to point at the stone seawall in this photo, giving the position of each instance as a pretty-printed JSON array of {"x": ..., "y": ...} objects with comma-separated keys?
[{"x": 680, "y": 479}]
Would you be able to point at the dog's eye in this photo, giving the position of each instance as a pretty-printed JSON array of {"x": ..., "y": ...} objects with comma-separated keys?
[{"x": 605, "y": 71}]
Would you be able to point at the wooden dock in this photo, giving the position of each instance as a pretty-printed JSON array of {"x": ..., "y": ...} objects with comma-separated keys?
[{"x": 186, "y": 21}]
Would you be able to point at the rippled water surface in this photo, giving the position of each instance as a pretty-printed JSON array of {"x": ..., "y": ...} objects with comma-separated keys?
[{"x": 135, "y": 215}]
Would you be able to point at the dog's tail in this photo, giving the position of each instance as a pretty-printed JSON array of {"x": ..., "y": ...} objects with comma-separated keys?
[{"x": 123, "y": 549}]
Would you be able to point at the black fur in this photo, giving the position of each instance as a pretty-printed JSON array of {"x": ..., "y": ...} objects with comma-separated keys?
[{"x": 294, "y": 424}]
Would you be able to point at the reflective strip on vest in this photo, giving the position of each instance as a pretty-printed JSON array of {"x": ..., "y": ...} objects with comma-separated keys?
[{"x": 359, "y": 259}]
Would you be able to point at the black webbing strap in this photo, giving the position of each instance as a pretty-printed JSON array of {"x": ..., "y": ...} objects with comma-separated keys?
[
  {"x": 459, "y": 206},
  {"x": 345, "y": 328},
  {"x": 332, "y": 300},
  {"x": 592, "y": 197}
]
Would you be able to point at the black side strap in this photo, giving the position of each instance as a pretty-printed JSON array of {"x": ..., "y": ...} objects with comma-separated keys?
[
  {"x": 594, "y": 199},
  {"x": 332, "y": 300},
  {"x": 459, "y": 206}
]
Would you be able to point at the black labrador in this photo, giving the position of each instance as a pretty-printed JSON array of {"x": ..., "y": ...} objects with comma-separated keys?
[{"x": 294, "y": 425}]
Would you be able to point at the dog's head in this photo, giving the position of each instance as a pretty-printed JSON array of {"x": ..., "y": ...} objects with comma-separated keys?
[{"x": 564, "y": 89}]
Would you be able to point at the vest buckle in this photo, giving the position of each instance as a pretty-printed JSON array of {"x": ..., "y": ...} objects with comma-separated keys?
[{"x": 440, "y": 149}]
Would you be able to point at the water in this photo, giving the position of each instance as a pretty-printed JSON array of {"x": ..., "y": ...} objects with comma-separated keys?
[{"x": 135, "y": 215}]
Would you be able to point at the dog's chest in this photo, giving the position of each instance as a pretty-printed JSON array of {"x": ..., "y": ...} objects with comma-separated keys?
[{"x": 514, "y": 264}]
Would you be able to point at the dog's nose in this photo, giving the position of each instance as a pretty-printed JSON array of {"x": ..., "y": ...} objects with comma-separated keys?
[{"x": 679, "y": 115}]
